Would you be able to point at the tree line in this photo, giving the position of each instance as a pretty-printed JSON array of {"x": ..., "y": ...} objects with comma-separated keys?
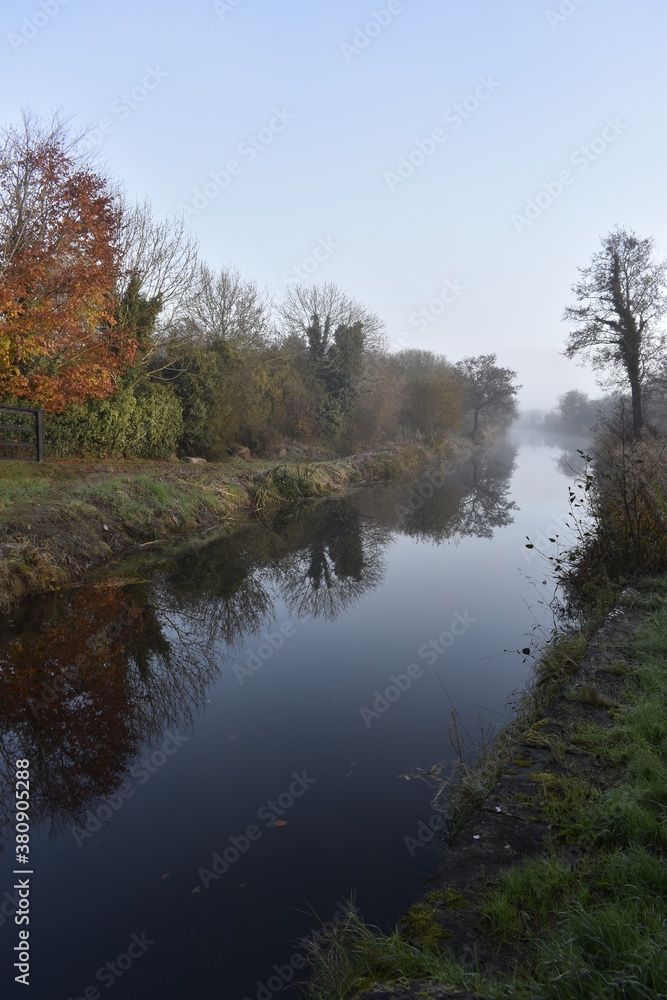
[{"x": 111, "y": 322}]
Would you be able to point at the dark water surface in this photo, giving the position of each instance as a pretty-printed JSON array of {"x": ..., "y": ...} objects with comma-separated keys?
[{"x": 219, "y": 753}]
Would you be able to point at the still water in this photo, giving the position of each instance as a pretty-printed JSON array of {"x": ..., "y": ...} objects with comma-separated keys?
[{"x": 224, "y": 752}]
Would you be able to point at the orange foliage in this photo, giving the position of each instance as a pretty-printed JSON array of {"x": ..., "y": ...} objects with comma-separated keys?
[
  {"x": 65, "y": 694},
  {"x": 59, "y": 343}
]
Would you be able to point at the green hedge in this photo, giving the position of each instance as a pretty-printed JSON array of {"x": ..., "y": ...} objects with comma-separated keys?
[{"x": 144, "y": 421}]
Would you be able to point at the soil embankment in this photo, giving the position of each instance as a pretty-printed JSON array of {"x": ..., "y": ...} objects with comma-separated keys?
[{"x": 60, "y": 519}]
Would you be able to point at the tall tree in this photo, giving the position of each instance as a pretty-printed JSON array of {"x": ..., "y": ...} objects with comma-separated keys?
[
  {"x": 225, "y": 306},
  {"x": 337, "y": 361},
  {"x": 334, "y": 308},
  {"x": 59, "y": 340},
  {"x": 489, "y": 391},
  {"x": 158, "y": 262},
  {"x": 622, "y": 299}
]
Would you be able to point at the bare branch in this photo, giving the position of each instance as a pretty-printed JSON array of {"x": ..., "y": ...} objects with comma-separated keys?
[
  {"x": 623, "y": 296},
  {"x": 334, "y": 308},
  {"x": 161, "y": 256},
  {"x": 228, "y": 307}
]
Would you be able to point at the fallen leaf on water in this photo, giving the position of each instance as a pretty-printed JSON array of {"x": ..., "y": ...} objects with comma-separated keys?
[
  {"x": 166, "y": 875},
  {"x": 198, "y": 889},
  {"x": 280, "y": 822},
  {"x": 348, "y": 774}
]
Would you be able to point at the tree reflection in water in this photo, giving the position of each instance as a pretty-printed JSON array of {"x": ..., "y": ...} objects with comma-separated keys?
[
  {"x": 487, "y": 506},
  {"x": 74, "y": 703},
  {"x": 342, "y": 561},
  {"x": 572, "y": 463},
  {"x": 108, "y": 669},
  {"x": 471, "y": 500}
]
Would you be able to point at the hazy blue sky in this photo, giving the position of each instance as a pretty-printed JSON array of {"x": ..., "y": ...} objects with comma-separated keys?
[{"x": 335, "y": 94}]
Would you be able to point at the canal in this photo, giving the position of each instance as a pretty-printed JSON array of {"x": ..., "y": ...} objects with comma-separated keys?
[{"x": 254, "y": 730}]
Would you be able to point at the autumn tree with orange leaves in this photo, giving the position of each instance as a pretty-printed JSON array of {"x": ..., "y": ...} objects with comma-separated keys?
[{"x": 59, "y": 261}]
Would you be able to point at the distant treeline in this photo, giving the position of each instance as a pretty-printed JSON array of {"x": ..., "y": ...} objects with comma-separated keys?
[{"x": 576, "y": 413}]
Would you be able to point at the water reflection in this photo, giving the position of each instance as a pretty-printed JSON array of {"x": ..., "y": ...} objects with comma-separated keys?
[
  {"x": 90, "y": 678},
  {"x": 70, "y": 704},
  {"x": 471, "y": 501},
  {"x": 572, "y": 463},
  {"x": 341, "y": 561},
  {"x": 486, "y": 505}
]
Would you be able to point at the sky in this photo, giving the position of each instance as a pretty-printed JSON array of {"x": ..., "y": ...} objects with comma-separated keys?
[{"x": 450, "y": 165}]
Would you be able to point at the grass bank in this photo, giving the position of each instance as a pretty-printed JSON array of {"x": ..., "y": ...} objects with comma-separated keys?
[
  {"x": 59, "y": 519},
  {"x": 555, "y": 885}
]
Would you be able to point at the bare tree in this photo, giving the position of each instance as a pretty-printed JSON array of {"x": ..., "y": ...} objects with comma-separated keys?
[
  {"x": 228, "y": 307},
  {"x": 160, "y": 258},
  {"x": 334, "y": 308},
  {"x": 622, "y": 296}
]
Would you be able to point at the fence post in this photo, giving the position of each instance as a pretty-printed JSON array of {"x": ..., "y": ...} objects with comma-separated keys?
[{"x": 40, "y": 435}]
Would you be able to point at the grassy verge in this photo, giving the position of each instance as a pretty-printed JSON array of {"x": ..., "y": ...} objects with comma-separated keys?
[
  {"x": 59, "y": 519},
  {"x": 585, "y": 916},
  {"x": 474, "y": 783}
]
